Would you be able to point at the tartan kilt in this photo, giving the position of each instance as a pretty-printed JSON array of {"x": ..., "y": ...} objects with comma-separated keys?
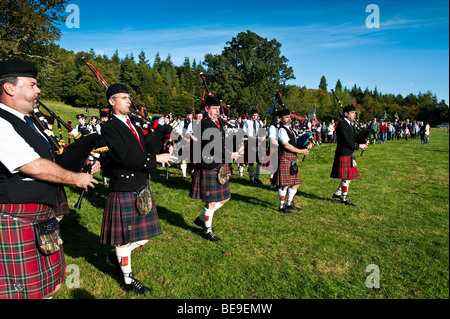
[
  {"x": 343, "y": 168},
  {"x": 206, "y": 187},
  {"x": 62, "y": 207},
  {"x": 283, "y": 175},
  {"x": 122, "y": 223},
  {"x": 24, "y": 272}
]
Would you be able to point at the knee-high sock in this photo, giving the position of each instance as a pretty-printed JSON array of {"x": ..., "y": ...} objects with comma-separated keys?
[
  {"x": 138, "y": 244},
  {"x": 183, "y": 169},
  {"x": 208, "y": 216},
  {"x": 124, "y": 257},
  {"x": 345, "y": 184},
  {"x": 281, "y": 195},
  {"x": 291, "y": 193},
  {"x": 241, "y": 170},
  {"x": 338, "y": 191}
]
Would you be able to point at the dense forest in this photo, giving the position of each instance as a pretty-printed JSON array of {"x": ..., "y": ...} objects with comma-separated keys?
[{"x": 247, "y": 74}]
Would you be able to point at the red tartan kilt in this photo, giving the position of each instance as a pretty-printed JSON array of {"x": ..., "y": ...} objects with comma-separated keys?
[
  {"x": 122, "y": 223},
  {"x": 283, "y": 175},
  {"x": 206, "y": 187},
  {"x": 24, "y": 272},
  {"x": 342, "y": 168}
]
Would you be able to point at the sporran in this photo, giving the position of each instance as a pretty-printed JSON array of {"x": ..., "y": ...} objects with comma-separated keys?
[
  {"x": 48, "y": 236},
  {"x": 144, "y": 201}
]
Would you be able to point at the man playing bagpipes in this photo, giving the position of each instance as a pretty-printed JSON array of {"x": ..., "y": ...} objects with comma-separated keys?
[
  {"x": 273, "y": 143},
  {"x": 344, "y": 165},
  {"x": 287, "y": 177},
  {"x": 251, "y": 129},
  {"x": 185, "y": 141},
  {"x": 31, "y": 254},
  {"x": 211, "y": 172},
  {"x": 130, "y": 218}
]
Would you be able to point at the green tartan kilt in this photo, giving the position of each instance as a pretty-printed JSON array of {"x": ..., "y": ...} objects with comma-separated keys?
[
  {"x": 206, "y": 187},
  {"x": 24, "y": 272},
  {"x": 122, "y": 223}
]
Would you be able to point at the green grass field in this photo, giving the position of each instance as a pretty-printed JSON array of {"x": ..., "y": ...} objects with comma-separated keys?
[{"x": 400, "y": 224}]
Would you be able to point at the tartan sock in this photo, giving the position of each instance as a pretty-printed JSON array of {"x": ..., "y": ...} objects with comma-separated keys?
[
  {"x": 124, "y": 257},
  {"x": 291, "y": 193},
  {"x": 281, "y": 195}
]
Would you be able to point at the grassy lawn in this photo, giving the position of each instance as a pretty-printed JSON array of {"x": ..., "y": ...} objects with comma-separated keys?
[{"x": 400, "y": 224}]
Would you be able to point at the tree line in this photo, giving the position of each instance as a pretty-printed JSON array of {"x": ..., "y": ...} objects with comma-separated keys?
[{"x": 245, "y": 75}]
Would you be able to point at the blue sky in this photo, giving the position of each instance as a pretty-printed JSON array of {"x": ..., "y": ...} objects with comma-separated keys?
[{"x": 408, "y": 53}]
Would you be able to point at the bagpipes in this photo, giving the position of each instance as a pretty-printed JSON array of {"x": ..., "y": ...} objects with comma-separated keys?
[
  {"x": 205, "y": 91},
  {"x": 141, "y": 113},
  {"x": 303, "y": 141},
  {"x": 340, "y": 104},
  {"x": 72, "y": 157},
  {"x": 137, "y": 110}
]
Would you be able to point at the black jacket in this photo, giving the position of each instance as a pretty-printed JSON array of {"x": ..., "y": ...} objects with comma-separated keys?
[
  {"x": 129, "y": 163},
  {"x": 346, "y": 139},
  {"x": 209, "y": 161}
]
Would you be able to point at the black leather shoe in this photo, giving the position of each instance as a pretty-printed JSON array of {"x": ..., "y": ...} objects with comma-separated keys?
[
  {"x": 293, "y": 207},
  {"x": 209, "y": 234},
  {"x": 199, "y": 222},
  {"x": 337, "y": 197},
  {"x": 284, "y": 210},
  {"x": 136, "y": 286},
  {"x": 348, "y": 203}
]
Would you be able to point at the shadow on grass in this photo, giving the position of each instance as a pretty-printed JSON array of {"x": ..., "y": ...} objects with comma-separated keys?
[
  {"x": 177, "y": 220},
  {"x": 80, "y": 242}
]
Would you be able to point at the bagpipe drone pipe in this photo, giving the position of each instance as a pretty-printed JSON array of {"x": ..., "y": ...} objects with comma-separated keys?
[
  {"x": 73, "y": 156},
  {"x": 69, "y": 156}
]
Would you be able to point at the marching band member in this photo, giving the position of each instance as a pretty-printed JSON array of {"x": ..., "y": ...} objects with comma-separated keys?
[
  {"x": 344, "y": 165},
  {"x": 210, "y": 178},
  {"x": 287, "y": 177},
  {"x": 251, "y": 129},
  {"x": 130, "y": 218},
  {"x": 30, "y": 191}
]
